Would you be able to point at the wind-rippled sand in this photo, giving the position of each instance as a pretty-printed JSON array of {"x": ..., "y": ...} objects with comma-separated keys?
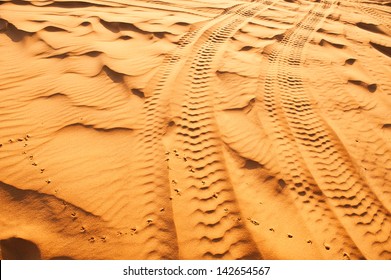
[{"x": 195, "y": 129}]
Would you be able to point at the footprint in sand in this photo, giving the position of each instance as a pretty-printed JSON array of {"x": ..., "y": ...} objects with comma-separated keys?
[{"x": 254, "y": 222}]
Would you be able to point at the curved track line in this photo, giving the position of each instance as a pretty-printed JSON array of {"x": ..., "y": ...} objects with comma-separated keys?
[
  {"x": 151, "y": 190},
  {"x": 331, "y": 171},
  {"x": 150, "y": 187},
  {"x": 208, "y": 193},
  {"x": 297, "y": 131},
  {"x": 375, "y": 13}
]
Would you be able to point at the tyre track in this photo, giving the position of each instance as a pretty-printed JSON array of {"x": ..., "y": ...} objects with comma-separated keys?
[
  {"x": 298, "y": 133},
  {"x": 151, "y": 211},
  {"x": 207, "y": 203},
  {"x": 379, "y": 15},
  {"x": 374, "y": 143},
  {"x": 354, "y": 203},
  {"x": 151, "y": 189}
]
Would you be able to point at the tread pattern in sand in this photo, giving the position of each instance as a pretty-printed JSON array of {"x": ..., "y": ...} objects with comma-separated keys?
[{"x": 195, "y": 129}]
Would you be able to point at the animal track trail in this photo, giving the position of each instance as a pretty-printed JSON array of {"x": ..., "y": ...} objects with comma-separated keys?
[
  {"x": 208, "y": 190},
  {"x": 297, "y": 129}
]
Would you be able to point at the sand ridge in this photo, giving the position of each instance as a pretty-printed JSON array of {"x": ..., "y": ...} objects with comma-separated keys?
[{"x": 195, "y": 129}]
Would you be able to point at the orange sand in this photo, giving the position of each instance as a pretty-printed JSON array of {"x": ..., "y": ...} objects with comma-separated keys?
[{"x": 202, "y": 129}]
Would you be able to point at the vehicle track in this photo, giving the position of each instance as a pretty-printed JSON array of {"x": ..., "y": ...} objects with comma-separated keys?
[
  {"x": 208, "y": 199},
  {"x": 329, "y": 170},
  {"x": 152, "y": 188},
  {"x": 370, "y": 8},
  {"x": 316, "y": 174}
]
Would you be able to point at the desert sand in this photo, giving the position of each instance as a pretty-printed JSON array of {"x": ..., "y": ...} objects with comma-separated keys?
[{"x": 206, "y": 129}]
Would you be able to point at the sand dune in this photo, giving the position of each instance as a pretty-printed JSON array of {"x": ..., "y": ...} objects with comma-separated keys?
[{"x": 195, "y": 129}]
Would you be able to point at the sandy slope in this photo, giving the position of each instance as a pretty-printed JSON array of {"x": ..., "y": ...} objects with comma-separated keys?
[{"x": 195, "y": 129}]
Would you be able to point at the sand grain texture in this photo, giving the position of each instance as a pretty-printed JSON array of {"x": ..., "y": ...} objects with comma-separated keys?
[{"x": 195, "y": 129}]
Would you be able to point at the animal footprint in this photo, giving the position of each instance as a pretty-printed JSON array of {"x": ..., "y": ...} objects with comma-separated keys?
[{"x": 254, "y": 222}]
